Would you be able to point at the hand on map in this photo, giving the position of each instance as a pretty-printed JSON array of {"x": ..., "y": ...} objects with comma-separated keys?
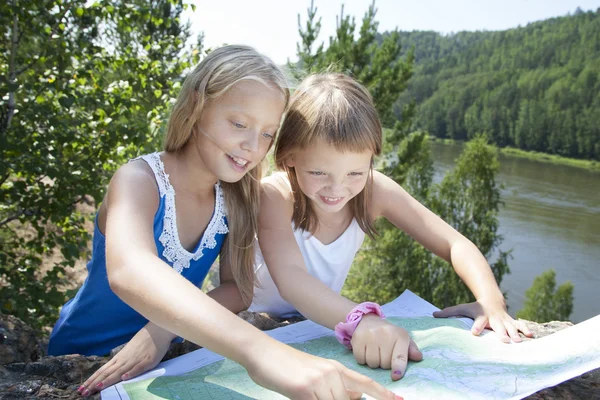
[
  {"x": 380, "y": 344},
  {"x": 143, "y": 352},
  {"x": 488, "y": 314},
  {"x": 300, "y": 375}
]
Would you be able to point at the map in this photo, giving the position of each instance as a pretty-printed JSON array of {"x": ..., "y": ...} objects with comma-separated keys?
[{"x": 456, "y": 364}]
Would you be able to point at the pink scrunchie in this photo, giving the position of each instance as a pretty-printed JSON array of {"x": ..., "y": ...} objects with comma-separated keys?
[{"x": 345, "y": 330}]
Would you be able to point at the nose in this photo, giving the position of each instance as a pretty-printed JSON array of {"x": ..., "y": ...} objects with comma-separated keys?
[
  {"x": 335, "y": 184},
  {"x": 251, "y": 141}
]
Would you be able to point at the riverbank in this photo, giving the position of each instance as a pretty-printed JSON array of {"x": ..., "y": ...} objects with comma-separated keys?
[{"x": 534, "y": 155}]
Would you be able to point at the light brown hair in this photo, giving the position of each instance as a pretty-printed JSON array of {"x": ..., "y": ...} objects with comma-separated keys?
[
  {"x": 337, "y": 109},
  {"x": 212, "y": 77}
]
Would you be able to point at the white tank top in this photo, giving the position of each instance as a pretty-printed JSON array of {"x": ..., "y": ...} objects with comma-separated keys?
[{"x": 329, "y": 263}]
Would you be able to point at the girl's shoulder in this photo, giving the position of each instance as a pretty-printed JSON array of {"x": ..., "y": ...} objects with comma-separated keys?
[
  {"x": 276, "y": 200},
  {"x": 133, "y": 186},
  {"x": 135, "y": 179},
  {"x": 136, "y": 172},
  {"x": 385, "y": 191},
  {"x": 278, "y": 184}
]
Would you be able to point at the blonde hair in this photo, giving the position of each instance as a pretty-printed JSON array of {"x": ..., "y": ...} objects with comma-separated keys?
[
  {"x": 337, "y": 109},
  {"x": 212, "y": 77}
]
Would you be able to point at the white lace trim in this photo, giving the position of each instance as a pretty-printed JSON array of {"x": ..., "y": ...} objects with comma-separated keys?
[{"x": 173, "y": 251}]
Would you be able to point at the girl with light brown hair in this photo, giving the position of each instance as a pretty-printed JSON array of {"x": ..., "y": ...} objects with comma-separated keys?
[{"x": 315, "y": 214}]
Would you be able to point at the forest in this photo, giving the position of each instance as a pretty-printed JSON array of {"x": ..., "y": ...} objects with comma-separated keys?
[{"x": 535, "y": 88}]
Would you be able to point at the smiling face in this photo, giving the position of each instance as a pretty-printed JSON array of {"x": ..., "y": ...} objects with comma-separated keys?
[
  {"x": 237, "y": 129},
  {"x": 328, "y": 177}
]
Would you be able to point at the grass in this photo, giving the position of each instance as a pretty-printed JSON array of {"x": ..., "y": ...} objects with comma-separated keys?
[
  {"x": 552, "y": 158},
  {"x": 591, "y": 165}
]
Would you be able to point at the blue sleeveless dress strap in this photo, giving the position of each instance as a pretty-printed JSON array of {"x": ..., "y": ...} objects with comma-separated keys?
[{"x": 95, "y": 321}]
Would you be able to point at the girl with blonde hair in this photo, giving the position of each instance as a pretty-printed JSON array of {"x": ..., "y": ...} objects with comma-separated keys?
[
  {"x": 165, "y": 218},
  {"x": 314, "y": 217}
]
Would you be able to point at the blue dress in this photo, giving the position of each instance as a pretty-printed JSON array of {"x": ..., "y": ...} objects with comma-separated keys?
[{"x": 95, "y": 321}]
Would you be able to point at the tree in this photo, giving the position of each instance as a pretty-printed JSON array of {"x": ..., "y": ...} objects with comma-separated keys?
[
  {"x": 84, "y": 86},
  {"x": 545, "y": 303}
]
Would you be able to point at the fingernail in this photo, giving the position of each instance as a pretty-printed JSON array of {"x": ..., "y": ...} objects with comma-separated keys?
[
  {"x": 86, "y": 392},
  {"x": 100, "y": 385},
  {"x": 398, "y": 373},
  {"x": 125, "y": 376},
  {"x": 80, "y": 388}
]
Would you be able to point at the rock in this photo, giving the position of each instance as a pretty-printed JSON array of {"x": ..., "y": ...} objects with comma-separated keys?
[
  {"x": 547, "y": 328},
  {"x": 18, "y": 342},
  {"x": 48, "y": 377},
  {"x": 28, "y": 375},
  {"x": 263, "y": 321}
]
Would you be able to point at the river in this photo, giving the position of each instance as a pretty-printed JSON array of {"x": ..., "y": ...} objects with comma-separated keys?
[{"x": 550, "y": 219}]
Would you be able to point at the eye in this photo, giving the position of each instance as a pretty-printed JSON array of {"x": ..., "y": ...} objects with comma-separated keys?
[
  {"x": 268, "y": 136},
  {"x": 238, "y": 125},
  {"x": 355, "y": 174},
  {"x": 316, "y": 173}
]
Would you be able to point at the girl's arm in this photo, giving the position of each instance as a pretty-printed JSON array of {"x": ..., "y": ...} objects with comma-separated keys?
[
  {"x": 315, "y": 300},
  {"x": 148, "y": 347},
  {"x": 227, "y": 293},
  {"x": 406, "y": 213},
  {"x": 286, "y": 263},
  {"x": 161, "y": 295}
]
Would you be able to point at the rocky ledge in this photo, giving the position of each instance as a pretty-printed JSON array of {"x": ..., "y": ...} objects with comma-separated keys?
[{"x": 25, "y": 373}]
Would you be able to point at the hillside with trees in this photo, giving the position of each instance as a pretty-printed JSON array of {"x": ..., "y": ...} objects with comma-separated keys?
[{"x": 535, "y": 87}]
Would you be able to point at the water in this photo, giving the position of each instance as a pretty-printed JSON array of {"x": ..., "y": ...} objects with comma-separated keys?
[{"x": 551, "y": 219}]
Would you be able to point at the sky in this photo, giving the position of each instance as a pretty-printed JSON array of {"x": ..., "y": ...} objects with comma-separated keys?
[{"x": 271, "y": 26}]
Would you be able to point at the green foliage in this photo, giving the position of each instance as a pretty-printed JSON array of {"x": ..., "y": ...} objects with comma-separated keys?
[
  {"x": 376, "y": 65},
  {"x": 543, "y": 303},
  {"x": 468, "y": 198},
  {"x": 84, "y": 86},
  {"x": 536, "y": 87}
]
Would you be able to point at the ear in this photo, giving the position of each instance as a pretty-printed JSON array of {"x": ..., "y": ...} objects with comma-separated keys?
[{"x": 290, "y": 162}]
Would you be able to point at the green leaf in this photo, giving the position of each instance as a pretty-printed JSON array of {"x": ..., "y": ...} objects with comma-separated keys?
[{"x": 66, "y": 101}]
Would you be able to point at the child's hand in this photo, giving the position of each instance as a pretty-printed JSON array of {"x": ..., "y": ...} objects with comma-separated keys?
[
  {"x": 143, "y": 352},
  {"x": 488, "y": 314},
  {"x": 299, "y": 375},
  {"x": 378, "y": 343}
]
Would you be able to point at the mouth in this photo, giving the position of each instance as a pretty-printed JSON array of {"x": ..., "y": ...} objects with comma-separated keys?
[
  {"x": 331, "y": 200},
  {"x": 239, "y": 164}
]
